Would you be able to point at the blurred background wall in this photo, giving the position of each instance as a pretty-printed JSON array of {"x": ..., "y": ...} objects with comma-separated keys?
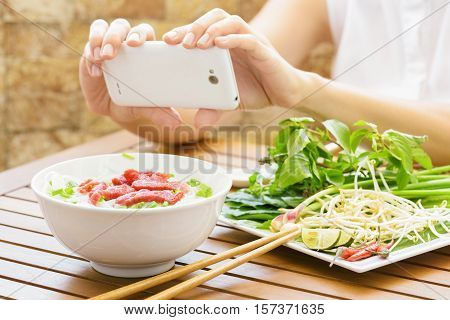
[{"x": 41, "y": 107}]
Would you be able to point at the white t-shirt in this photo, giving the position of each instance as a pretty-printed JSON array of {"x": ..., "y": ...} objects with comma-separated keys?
[{"x": 413, "y": 65}]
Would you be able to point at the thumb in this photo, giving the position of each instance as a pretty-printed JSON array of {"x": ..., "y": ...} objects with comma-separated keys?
[
  {"x": 92, "y": 83},
  {"x": 207, "y": 117}
]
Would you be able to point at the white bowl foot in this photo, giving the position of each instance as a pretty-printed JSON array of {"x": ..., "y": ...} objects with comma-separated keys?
[{"x": 133, "y": 271}]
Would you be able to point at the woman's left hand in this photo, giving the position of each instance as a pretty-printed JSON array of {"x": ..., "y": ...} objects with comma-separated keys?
[{"x": 263, "y": 76}]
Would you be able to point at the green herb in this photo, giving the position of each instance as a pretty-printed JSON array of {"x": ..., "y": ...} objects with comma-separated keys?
[
  {"x": 204, "y": 191},
  {"x": 145, "y": 205},
  {"x": 302, "y": 165},
  {"x": 193, "y": 182},
  {"x": 128, "y": 156},
  {"x": 65, "y": 192},
  {"x": 265, "y": 225}
]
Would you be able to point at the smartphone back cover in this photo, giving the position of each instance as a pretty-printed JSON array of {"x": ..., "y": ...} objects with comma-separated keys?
[{"x": 157, "y": 74}]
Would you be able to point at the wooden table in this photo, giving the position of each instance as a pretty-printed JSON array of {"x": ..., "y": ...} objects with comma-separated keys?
[{"x": 33, "y": 265}]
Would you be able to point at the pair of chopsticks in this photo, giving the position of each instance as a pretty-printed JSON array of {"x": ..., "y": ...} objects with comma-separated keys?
[{"x": 249, "y": 251}]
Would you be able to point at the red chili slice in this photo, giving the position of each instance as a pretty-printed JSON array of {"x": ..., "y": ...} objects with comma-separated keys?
[
  {"x": 149, "y": 196},
  {"x": 364, "y": 252}
]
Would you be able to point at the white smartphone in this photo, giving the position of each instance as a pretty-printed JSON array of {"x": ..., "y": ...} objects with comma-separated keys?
[{"x": 160, "y": 75}]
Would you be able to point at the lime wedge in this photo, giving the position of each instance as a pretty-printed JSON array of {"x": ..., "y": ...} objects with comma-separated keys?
[
  {"x": 344, "y": 240},
  {"x": 320, "y": 239}
]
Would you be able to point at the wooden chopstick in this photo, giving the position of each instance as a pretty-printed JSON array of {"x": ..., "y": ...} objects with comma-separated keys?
[
  {"x": 196, "y": 281},
  {"x": 182, "y": 271}
]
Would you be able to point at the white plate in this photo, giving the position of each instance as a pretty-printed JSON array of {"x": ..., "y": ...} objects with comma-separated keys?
[{"x": 357, "y": 266}]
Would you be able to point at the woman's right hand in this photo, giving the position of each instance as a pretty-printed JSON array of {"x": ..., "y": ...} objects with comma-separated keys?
[{"x": 104, "y": 43}]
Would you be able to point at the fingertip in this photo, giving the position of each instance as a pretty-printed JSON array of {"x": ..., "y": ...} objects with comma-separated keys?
[
  {"x": 172, "y": 37},
  {"x": 107, "y": 52},
  {"x": 203, "y": 42},
  {"x": 134, "y": 39},
  {"x": 189, "y": 40},
  {"x": 207, "y": 117}
]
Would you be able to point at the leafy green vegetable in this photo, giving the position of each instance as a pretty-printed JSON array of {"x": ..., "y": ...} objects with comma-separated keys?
[
  {"x": 265, "y": 225},
  {"x": 340, "y": 131},
  {"x": 426, "y": 234},
  {"x": 301, "y": 165}
]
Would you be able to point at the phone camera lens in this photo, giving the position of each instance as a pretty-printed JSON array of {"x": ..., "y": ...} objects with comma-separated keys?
[{"x": 213, "y": 79}]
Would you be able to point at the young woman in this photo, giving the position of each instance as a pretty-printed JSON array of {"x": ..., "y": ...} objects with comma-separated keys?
[{"x": 391, "y": 65}]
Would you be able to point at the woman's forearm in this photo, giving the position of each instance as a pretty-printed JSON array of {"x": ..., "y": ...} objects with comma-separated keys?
[{"x": 349, "y": 104}]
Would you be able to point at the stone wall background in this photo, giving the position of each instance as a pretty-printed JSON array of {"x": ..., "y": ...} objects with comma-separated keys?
[{"x": 42, "y": 110}]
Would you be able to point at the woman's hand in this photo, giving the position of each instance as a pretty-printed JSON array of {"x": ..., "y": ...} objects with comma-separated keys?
[
  {"x": 104, "y": 43},
  {"x": 263, "y": 76}
]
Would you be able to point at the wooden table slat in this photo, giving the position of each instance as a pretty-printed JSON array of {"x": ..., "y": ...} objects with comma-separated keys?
[
  {"x": 225, "y": 246},
  {"x": 82, "y": 269},
  {"x": 24, "y": 193},
  {"x": 17, "y": 290},
  {"x": 49, "y": 244}
]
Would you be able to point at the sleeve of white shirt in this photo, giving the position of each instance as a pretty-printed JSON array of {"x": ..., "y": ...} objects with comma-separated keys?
[{"x": 337, "y": 11}]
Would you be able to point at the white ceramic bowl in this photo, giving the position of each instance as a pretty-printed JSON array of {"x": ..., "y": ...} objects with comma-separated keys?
[{"x": 128, "y": 242}]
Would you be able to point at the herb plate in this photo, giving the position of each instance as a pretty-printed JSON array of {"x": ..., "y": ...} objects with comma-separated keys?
[{"x": 357, "y": 266}]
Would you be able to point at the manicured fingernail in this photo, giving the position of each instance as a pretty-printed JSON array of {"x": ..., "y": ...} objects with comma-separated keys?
[
  {"x": 107, "y": 50},
  {"x": 189, "y": 39},
  {"x": 203, "y": 40},
  {"x": 171, "y": 35},
  {"x": 134, "y": 37},
  {"x": 95, "y": 71},
  {"x": 97, "y": 53}
]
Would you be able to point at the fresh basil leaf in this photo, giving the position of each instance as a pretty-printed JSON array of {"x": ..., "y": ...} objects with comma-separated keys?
[
  {"x": 400, "y": 149},
  {"x": 294, "y": 169},
  {"x": 334, "y": 176},
  {"x": 297, "y": 141},
  {"x": 340, "y": 131},
  {"x": 356, "y": 137},
  {"x": 298, "y": 122},
  {"x": 422, "y": 158},
  {"x": 362, "y": 123}
]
